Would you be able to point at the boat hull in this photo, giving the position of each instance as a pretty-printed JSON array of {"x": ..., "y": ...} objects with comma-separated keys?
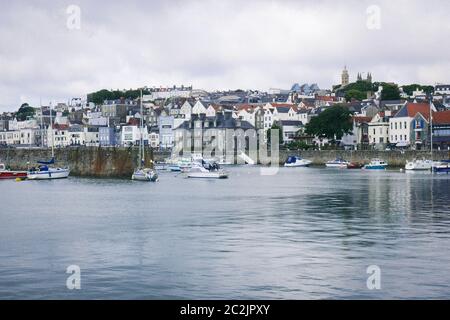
[
  {"x": 336, "y": 165},
  {"x": 301, "y": 163},
  {"x": 208, "y": 175},
  {"x": 419, "y": 166},
  {"x": 5, "y": 175},
  {"x": 51, "y": 174},
  {"x": 375, "y": 167},
  {"x": 148, "y": 176}
]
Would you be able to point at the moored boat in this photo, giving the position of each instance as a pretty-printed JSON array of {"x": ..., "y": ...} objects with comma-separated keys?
[
  {"x": 9, "y": 174},
  {"x": 44, "y": 172},
  {"x": 376, "y": 164},
  {"x": 145, "y": 174},
  {"x": 442, "y": 167},
  {"x": 207, "y": 171},
  {"x": 294, "y": 161},
  {"x": 354, "y": 165},
  {"x": 337, "y": 163},
  {"x": 142, "y": 173},
  {"x": 419, "y": 165}
]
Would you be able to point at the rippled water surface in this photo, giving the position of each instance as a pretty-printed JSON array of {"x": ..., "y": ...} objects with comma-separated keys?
[{"x": 302, "y": 233}]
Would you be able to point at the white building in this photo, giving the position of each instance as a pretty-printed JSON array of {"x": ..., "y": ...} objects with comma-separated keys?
[
  {"x": 131, "y": 135},
  {"x": 198, "y": 108},
  {"x": 379, "y": 129},
  {"x": 400, "y": 126}
]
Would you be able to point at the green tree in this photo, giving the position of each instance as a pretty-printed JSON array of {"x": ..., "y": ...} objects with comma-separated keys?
[
  {"x": 390, "y": 92},
  {"x": 24, "y": 112},
  {"x": 355, "y": 94},
  {"x": 408, "y": 89},
  {"x": 280, "y": 133},
  {"x": 332, "y": 123}
]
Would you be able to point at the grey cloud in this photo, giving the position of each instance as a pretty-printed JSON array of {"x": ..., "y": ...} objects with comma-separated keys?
[{"x": 214, "y": 45}]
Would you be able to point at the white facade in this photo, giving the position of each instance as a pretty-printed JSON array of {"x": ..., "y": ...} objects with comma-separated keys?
[
  {"x": 378, "y": 131},
  {"x": 399, "y": 130},
  {"x": 10, "y": 137},
  {"x": 198, "y": 108},
  {"x": 131, "y": 135},
  {"x": 186, "y": 110}
]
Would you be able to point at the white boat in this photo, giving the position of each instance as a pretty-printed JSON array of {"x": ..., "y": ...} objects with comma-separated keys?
[
  {"x": 337, "y": 163},
  {"x": 442, "y": 166},
  {"x": 44, "y": 172},
  {"x": 141, "y": 173},
  {"x": 145, "y": 174},
  {"x": 419, "y": 165},
  {"x": 294, "y": 161},
  {"x": 213, "y": 172},
  {"x": 376, "y": 164}
]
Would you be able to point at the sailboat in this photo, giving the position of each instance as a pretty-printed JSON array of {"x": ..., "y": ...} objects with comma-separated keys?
[
  {"x": 141, "y": 173},
  {"x": 45, "y": 170}
]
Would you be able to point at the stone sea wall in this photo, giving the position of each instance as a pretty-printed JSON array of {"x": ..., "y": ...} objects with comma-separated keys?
[{"x": 120, "y": 162}]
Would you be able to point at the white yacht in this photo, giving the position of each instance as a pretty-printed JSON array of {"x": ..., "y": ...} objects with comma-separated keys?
[
  {"x": 337, "y": 163},
  {"x": 419, "y": 165},
  {"x": 45, "y": 172},
  {"x": 294, "y": 161},
  {"x": 212, "y": 171},
  {"x": 376, "y": 164}
]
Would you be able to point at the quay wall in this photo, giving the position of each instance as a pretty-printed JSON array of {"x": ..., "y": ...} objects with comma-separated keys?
[{"x": 120, "y": 162}]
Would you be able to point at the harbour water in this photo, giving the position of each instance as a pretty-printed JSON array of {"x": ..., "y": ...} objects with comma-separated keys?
[{"x": 303, "y": 233}]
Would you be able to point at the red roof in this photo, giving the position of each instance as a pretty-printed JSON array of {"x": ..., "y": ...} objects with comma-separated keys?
[
  {"x": 58, "y": 126},
  {"x": 441, "y": 117},
  {"x": 422, "y": 108},
  {"x": 325, "y": 98},
  {"x": 282, "y": 105},
  {"x": 134, "y": 121},
  {"x": 362, "y": 119}
]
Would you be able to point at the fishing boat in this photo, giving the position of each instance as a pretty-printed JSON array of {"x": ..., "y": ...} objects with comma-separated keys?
[
  {"x": 376, "y": 164},
  {"x": 442, "y": 166},
  {"x": 141, "y": 173},
  {"x": 206, "y": 171},
  {"x": 294, "y": 161},
  {"x": 354, "y": 165},
  {"x": 337, "y": 163},
  {"x": 419, "y": 165},
  {"x": 9, "y": 174}
]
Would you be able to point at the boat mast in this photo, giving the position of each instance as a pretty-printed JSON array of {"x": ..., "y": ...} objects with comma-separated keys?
[
  {"x": 42, "y": 125},
  {"x": 51, "y": 128},
  {"x": 141, "y": 144},
  {"x": 431, "y": 126}
]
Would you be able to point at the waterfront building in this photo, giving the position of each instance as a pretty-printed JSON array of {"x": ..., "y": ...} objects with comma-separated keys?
[
  {"x": 442, "y": 89},
  {"x": 107, "y": 136},
  {"x": 60, "y": 135},
  {"x": 441, "y": 129},
  {"x": 379, "y": 130},
  {"x": 186, "y": 110},
  {"x": 403, "y": 132},
  {"x": 166, "y": 134},
  {"x": 290, "y": 129},
  {"x": 198, "y": 108},
  {"x": 76, "y": 135}
]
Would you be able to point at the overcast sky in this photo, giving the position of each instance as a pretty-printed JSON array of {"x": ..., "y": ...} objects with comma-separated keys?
[{"x": 215, "y": 45}]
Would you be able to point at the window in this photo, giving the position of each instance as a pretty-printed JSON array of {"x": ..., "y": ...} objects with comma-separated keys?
[
  {"x": 396, "y": 128},
  {"x": 405, "y": 125},
  {"x": 400, "y": 126},
  {"x": 405, "y": 137}
]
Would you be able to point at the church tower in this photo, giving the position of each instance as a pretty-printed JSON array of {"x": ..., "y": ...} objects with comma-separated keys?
[
  {"x": 345, "y": 77},
  {"x": 369, "y": 77}
]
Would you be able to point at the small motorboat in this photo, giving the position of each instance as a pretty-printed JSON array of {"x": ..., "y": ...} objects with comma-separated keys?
[
  {"x": 419, "y": 165},
  {"x": 207, "y": 171},
  {"x": 145, "y": 174},
  {"x": 337, "y": 163},
  {"x": 376, "y": 164},
  {"x": 354, "y": 165},
  {"x": 9, "y": 174},
  {"x": 294, "y": 161},
  {"x": 442, "y": 166}
]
